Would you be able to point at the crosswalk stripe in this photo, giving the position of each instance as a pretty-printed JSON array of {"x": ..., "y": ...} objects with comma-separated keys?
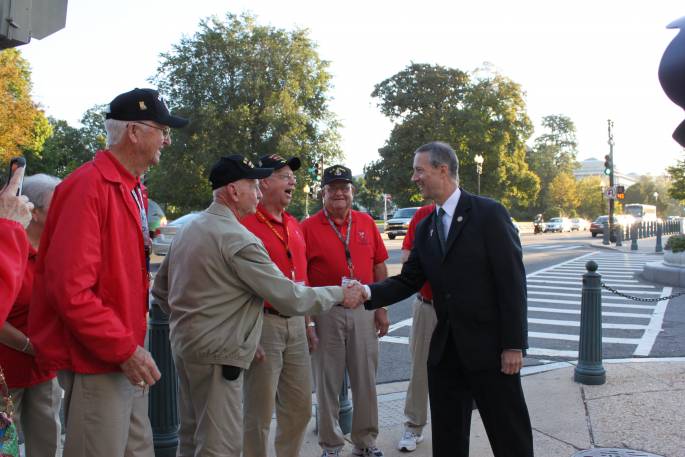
[
  {"x": 567, "y": 337},
  {"x": 577, "y": 302},
  {"x": 547, "y": 281},
  {"x": 604, "y": 292},
  {"x": 605, "y": 296},
  {"x": 607, "y": 325},
  {"x": 577, "y": 311},
  {"x": 552, "y": 353}
]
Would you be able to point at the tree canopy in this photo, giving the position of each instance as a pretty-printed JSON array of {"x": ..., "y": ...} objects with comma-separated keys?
[
  {"x": 474, "y": 113},
  {"x": 23, "y": 126},
  {"x": 247, "y": 89}
]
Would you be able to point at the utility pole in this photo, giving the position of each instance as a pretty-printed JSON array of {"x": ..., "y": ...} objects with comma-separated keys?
[{"x": 610, "y": 125}]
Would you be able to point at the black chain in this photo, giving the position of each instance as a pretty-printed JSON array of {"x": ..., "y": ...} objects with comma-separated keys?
[{"x": 648, "y": 300}]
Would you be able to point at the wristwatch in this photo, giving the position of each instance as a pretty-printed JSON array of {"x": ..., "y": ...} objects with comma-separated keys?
[{"x": 311, "y": 324}]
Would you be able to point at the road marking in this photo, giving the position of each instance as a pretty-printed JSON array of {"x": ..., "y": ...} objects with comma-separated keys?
[
  {"x": 567, "y": 337},
  {"x": 577, "y": 303},
  {"x": 552, "y": 353},
  {"x": 604, "y": 292},
  {"x": 577, "y": 324},
  {"x": 605, "y": 295},
  {"x": 395, "y": 339},
  {"x": 655, "y": 325},
  {"x": 577, "y": 311},
  {"x": 544, "y": 281}
]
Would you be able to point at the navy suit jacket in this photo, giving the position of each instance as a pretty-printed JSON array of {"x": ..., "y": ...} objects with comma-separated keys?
[{"x": 478, "y": 282}]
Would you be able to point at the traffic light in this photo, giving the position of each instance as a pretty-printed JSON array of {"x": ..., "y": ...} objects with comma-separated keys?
[
  {"x": 620, "y": 192},
  {"x": 21, "y": 20},
  {"x": 317, "y": 172},
  {"x": 607, "y": 165}
]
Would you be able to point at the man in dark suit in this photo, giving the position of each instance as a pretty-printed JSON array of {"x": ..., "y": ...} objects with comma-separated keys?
[{"x": 470, "y": 253}]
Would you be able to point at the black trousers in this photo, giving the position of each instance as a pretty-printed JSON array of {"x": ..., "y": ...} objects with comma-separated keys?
[{"x": 500, "y": 401}]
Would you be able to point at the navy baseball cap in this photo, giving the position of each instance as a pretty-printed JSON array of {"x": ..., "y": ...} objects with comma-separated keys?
[
  {"x": 233, "y": 168},
  {"x": 336, "y": 173},
  {"x": 143, "y": 105}
]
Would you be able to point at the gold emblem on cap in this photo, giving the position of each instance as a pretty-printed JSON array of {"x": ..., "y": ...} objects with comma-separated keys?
[
  {"x": 277, "y": 158},
  {"x": 247, "y": 162},
  {"x": 141, "y": 105},
  {"x": 337, "y": 170}
]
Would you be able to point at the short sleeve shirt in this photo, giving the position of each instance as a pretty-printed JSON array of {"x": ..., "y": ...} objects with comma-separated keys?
[
  {"x": 408, "y": 242},
  {"x": 283, "y": 241},
  {"x": 326, "y": 262}
]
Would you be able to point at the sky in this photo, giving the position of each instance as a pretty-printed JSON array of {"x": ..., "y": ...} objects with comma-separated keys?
[{"x": 589, "y": 60}]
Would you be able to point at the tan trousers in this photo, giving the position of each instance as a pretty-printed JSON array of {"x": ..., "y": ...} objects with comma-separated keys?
[
  {"x": 37, "y": 415},
  {"x": 416, "y": 403},
  {"x": 210, "y": 410},
  {"x": 105, "y": 416},
  {"x": 346, "y": 337},
  {"x": 283, "y": 380}
]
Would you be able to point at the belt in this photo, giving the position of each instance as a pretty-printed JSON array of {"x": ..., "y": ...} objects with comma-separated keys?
[
  {"x": 424, "y": 299},
  {"x": 273, "y": 312}
]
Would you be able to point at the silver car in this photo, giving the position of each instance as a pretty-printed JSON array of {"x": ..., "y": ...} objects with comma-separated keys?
[{"x": 161, "y": 242}]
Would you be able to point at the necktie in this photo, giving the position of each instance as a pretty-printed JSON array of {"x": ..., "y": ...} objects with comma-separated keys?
[{"x": 440, "y": 228}]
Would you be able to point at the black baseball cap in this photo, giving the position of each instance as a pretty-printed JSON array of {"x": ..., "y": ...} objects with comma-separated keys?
[
  {"x": 143, "y": 105},
  {"x": 336, "y": 173},
  {"x": 277, "y": 162},
  {"x": 233, "y": 168}
]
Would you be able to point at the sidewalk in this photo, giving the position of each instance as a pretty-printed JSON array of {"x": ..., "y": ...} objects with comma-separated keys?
[
  {"x": 644, "y": 245},
  {"x": 640, "y": 407}
]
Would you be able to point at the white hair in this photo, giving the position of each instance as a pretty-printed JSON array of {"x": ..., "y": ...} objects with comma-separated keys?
[
  {"x": 39, "y": 187},
  {"x": 115, "y": 131}
]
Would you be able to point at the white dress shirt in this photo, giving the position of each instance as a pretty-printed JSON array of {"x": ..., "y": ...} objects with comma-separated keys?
[{"x": 450, "y": 206}]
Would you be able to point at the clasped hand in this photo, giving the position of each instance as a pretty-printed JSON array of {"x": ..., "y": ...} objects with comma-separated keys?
[{"x": 353, "y": 294}]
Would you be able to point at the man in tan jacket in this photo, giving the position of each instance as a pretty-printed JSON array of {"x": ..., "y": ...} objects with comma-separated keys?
[{"x": 213, "y": 283}]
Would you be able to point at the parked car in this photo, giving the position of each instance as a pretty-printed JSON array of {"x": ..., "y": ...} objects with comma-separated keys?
[
  {"x": 579, "y": 224},
  {"x": 165, "y": 235},
  {"x": 155, "y": 217},
  {"x": 399, "y": 223},
  {"x": 558, "y": 224},
  {"x": 597, "y": 226}
]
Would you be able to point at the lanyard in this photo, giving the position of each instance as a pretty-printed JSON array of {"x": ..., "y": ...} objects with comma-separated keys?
[
  {"x": 345, "y": 241},
  {"x": 263, "y": 218},
  {"x": 138, "y": 197}
]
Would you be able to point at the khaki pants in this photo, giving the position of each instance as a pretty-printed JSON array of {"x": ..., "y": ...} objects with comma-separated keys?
[
  {"x": 210, "y": 411},
  {"x": 105, "y": 416},
  {"x": 346, "y": 337},
  {"x": 37, "y": 415},
  {"x": 283, "y": 380},
  {"x": 416, "y": 404}
]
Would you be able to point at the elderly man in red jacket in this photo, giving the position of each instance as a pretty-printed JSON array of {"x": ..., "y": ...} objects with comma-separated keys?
[{"x": 88, "y": 311}]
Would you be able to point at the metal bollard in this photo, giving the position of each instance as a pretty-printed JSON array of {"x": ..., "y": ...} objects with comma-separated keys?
[
  {"x": 605, "y": 233},
  {"x": 162, "y": 405},
  {"x": 619, "y": 236},
  {"x": 659, "y": 248},
  {"x": 345, "y": 415},
  {"x": 589, "y": 370},
  {"x": 633, "y": 237}
]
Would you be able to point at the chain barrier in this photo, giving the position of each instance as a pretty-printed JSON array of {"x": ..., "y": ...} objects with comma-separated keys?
[{"x": 648, "y": 300}]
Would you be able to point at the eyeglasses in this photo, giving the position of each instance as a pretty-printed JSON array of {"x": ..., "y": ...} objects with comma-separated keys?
[
  {"x": 285, "y": 177},
  {"x": 166, "y": 131}
]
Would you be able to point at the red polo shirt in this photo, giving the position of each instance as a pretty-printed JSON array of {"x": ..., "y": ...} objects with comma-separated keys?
[
  {"x": 21, "y": 369},
  {"x": 326, "y": 262},
  {"x": 408, "y": 242},
  {"x": 276, "y": 236}
]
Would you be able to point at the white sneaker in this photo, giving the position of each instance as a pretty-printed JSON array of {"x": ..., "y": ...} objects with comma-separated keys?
[
  {"x": 331, "y": 453},
  {"x": 409, "y": 441}
]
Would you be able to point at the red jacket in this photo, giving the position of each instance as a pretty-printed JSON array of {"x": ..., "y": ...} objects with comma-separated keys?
[
  {"x": 14, "y": 249},
  {"x": 21, "y": 369},
  {"x": 88, "y": 310}
]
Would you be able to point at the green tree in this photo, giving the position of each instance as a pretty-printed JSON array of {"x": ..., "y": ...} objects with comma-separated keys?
[
  {"x": 591, "y": 200},
  {"x": 62, "y": 152},
  {"x": 654, "y": 191},
  {"x": 677, "y": 189},
  {"x": 247, "y": 89},
  {"x": 483, "y": 114},
  {"x": 563, "y": 194},
  {"x": 92, "y": 128},
  {"x": 553, "y": 153},
  {"x": 23, "y": 126}
]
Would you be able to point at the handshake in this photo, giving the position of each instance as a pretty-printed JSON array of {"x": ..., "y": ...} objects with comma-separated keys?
[{"x": 354, "y": 293}]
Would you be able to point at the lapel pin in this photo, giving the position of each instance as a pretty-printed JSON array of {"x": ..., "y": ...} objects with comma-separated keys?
[
  {"x": 430, "y": 234},
  {"x": 459, "y": 219}
]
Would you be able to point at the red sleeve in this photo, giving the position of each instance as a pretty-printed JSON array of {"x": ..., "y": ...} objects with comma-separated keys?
[
  {"x": 408, "y": 241},
  {"x": 14, "y": 252},
  {"x": 76, "y": 234}
]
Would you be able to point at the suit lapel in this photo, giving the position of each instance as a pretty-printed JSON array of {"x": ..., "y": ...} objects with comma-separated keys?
[{"x": 459, "y": 219}]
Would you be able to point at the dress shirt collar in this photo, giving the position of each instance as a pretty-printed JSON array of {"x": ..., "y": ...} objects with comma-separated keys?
[{"x": 450, "y": 204}]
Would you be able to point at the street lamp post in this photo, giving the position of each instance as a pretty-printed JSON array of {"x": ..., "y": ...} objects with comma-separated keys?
[
  {"x": 306, "y": 190},
  {"x": 479, "y": 168}
]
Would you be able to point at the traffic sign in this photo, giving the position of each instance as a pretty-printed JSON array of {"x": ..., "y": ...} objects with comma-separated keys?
[{"x": 610, "y": 193}]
